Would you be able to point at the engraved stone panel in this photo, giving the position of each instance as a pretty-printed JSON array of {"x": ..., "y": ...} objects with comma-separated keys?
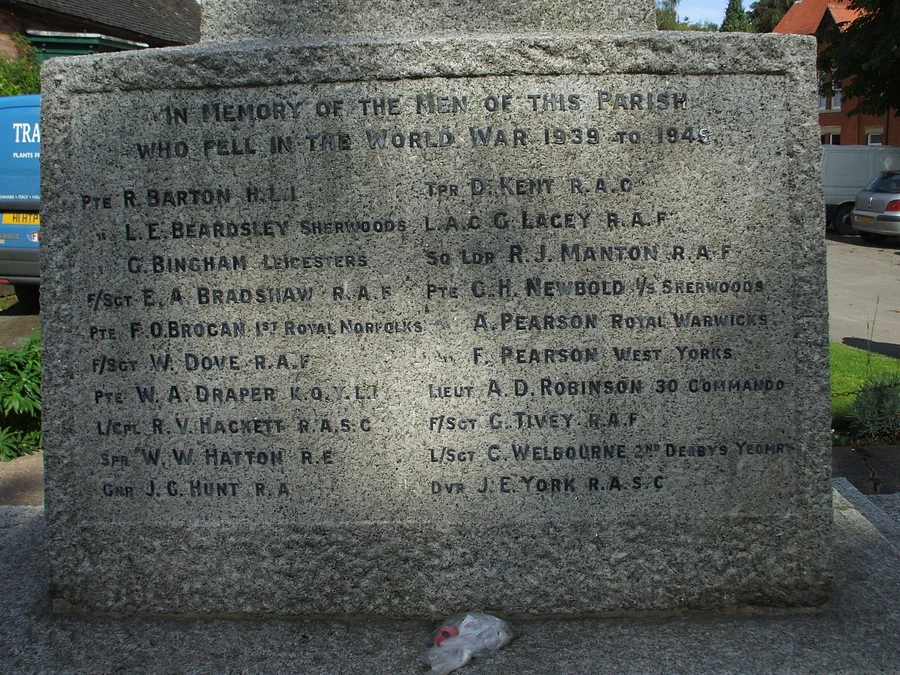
[{"x": 357, "y": 329}]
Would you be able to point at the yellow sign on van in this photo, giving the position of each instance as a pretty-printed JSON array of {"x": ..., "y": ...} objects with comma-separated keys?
[{"x": 21, "y": 218}]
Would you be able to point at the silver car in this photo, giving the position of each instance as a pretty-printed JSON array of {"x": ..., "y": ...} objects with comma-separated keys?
[{"x": 876, "y": 214}]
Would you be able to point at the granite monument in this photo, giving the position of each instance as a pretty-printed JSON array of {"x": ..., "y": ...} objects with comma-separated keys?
[{"x": 398, "y": 309}]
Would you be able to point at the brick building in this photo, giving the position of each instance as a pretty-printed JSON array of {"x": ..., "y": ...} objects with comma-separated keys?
[
  {"x": 813, "y": 17},
  {"x": 64, "y": 27}
]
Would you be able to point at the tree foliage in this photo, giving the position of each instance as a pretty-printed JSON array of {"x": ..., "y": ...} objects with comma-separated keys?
[
  {"x": 708, "y": 26},
  {"x": 667, "y": 18},
  {"x": 735, "y": 18},
  {"x": 865, "y": 56},
  {"x": 667, "y": 14},
  {"x": 764, "y": 15},
  {"x": 20, "y": 74}
]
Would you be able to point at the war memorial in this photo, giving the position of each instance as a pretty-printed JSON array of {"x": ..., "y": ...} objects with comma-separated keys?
[{"x": 393, "y": 309}]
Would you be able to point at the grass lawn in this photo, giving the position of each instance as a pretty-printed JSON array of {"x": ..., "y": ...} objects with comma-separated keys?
[{"x": 850, "y": 370}]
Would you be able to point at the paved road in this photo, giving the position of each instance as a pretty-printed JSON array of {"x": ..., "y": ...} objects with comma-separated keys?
[
  {"x": 864, "y": 293},
  {"x": 864, "y": 298}
]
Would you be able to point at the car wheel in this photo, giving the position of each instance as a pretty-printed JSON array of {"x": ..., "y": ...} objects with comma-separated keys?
[
  {"x": 873, "y": 238},
  {"x": 841, "y": 223},
  {"x": 29, "y": 297}
]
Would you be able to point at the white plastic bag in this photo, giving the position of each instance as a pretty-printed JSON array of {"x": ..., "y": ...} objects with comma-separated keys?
[{"x": 463, "y": 636}]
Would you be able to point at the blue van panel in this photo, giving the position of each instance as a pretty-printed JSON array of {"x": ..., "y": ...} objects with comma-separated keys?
[
  {"x": 20, "y": 152},
  {"x": 20, "y": 189}
]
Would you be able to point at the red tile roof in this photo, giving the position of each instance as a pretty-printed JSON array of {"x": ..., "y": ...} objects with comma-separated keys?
[
  {"x": 805, "y": 16},
  {"x": 842, "y": 13}
]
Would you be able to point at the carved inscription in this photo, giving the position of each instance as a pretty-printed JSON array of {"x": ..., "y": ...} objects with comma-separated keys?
[{"x": 451, "y": 292}]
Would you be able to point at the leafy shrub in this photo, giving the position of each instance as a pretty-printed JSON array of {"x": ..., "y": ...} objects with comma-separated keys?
[
  {"x": 854, "y": 371},
  {"x": 20, "y": 399},
  {"x": 875, "y": 413},
  {"x": 20, "y": 74}
]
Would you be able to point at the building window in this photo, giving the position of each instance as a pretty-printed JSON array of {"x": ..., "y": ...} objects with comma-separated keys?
[
  {"x": 874, "y": 135},
  {"x": 832, "y": 102},
  {"x": 823, "y": 100},
  {"x": 831, "y": 136}
]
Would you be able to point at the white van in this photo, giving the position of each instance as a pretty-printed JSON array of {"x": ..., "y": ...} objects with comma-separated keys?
[{"x": 847, "y": 169}]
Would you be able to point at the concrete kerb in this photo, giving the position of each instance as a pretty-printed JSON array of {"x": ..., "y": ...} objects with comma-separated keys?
[{"x": 858, "y": 631}]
